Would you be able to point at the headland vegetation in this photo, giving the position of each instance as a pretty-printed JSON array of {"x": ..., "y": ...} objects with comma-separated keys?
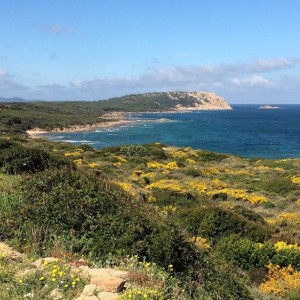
[{"x": 181, "y": 223}]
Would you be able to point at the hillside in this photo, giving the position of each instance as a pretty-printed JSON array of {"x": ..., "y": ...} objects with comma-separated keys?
[
  {"x": 186, "y": 224},
  {"x": 67, "y": 114},
  {"x": 166, "y": 101}
]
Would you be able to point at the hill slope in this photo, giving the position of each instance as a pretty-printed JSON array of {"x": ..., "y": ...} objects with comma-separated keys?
[{"x": 177, "y": 101}]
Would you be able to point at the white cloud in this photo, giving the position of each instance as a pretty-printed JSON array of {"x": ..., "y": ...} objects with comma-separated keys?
[
  {"x": 237, "y": 81},
  {"x": 253, "y": 80},
  {"x": 7, "y": 84},
  {"x": 266, "y": 65}
]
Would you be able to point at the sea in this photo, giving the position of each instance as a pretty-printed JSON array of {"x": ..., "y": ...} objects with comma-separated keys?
[{"x": 245, "y": 131}]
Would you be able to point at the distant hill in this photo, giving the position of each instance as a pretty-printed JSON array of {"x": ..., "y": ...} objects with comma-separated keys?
[
  {"x": 13, "y": 99},
  {"x": 166, "y": 101}
]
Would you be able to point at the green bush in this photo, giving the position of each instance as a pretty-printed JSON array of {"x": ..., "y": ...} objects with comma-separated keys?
[
  {"x": 287, "y": 257},
  {"x": 17, "y": 159},
  {"x": 134, "y": 150},
  {"x": 245, "y": 253},
  {"x": 211, "y": 156},
  {"x": 214, "y": 222},
  {"x": 278, "y": 185},
  {"x": 218, "y": 280},
  {"x": 96, "y": 218},
  {"x": 192, "y": 172}
]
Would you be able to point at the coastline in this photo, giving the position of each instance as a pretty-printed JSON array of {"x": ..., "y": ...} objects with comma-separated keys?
[{"x": 110, "y": 120}]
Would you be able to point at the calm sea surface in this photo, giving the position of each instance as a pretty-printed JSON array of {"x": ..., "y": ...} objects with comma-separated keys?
[{"x": 245, "y": 131}]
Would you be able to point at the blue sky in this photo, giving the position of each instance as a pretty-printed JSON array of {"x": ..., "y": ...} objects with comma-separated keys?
[{"x": 246, "y": 51}]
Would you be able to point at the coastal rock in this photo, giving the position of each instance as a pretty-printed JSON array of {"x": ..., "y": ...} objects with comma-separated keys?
[{"x": 109, "y": 284}]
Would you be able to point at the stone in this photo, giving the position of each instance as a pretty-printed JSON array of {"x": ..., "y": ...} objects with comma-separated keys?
[
  {"x": 107, "y": 296},
  {"x": 90, "y": 290},
  {"x": 101, "y": 272},
  {"x": 82, "y": 297},
  {"x": 109, "y": 284}
]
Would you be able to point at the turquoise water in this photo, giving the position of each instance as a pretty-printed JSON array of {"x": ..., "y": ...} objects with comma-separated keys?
[{"x": 245, "y": 131}]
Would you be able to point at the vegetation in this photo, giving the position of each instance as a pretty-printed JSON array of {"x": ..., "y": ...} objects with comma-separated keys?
[{"x": 187, "y": 224}]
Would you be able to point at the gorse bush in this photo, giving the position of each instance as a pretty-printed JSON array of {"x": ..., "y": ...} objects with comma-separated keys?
[
  {"x": 134, "y": 150},
  {"x": 245, "y": 253},
  {"x": 278, "y": 185},
  {"x": 16, "y": 159},
  {"x": 211, "y": 156},
  {"x": 97, "y": 218},
  {"x": 214, "y": 222}
]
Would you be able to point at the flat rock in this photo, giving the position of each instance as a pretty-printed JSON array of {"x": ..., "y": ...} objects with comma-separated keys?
[
  {"x": 82, "y": 297},
  {"x": 107, "y": 296},
  {"x": 101, "y": 272},
  {"x": 109, "y": 284},
  {"x": 90, "y": 290}
]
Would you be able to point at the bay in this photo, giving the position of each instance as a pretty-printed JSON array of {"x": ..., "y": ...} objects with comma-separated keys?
[{"x": 246, "y": 131}]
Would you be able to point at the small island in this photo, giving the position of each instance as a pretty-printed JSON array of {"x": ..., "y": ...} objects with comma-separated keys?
[{"x": 268, "y": 107}]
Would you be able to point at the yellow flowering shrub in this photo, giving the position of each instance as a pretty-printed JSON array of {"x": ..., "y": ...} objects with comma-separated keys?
[
  {"x": 93, "y": 165},
  {"x": 262, "y": 168},
  {"x": 135, "y": 293},
  {"x": 280, "y": 280},
  {"x": 217, "y": 183},
  {"x": 125, "y": 186},
  {"x": 151, "y": 199},
  {"x": 169, "y": 209},
  {"x": 74, "y": 153},
  {"x": 179, "y": 154},
  {"x": 121, "y": 159},
  {"x": 201, "y": 243},
  {"x": 240, "y": 194},
  {"x": 136, "y": 175},
  {"x": 155, "y": 165},
  {"x": 172, "y": 165},
  {"x": 190, "y": 161},
  {"x": 198, "y": 186},
  {"x": 210, "y": 171},
  {"x": 167, "y": 184},
  {"x": 295, "y": 179},
  {"x": 237, "y": 172},
  {"x": 78, "y": 162},
  {"x": 292, "y": 217},
  {"x": 281, "y": 245},
  {"x": 117, "y": 164}
]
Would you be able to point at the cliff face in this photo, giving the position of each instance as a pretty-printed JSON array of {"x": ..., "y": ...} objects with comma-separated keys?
[{"x": 198, "y": 101}]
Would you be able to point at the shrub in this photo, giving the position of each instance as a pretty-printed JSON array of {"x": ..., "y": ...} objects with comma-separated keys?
[
  {"x": 214, "y": 222},
  {"x": 97, "y": 218},
  {"x": 286, "y": 257},
  {"x": 245, "y": 253},
  {"x": 86, "y": 147},
  {"x": 279, "y": 185},
  {"x": 211, "y": 156},
  {"x": 17, "y": 159},
  {"x": 192, "y": 172},
  {"x": 134, "y": 150}
]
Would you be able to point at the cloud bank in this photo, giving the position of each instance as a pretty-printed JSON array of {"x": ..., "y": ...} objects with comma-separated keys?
[{"x": 263, "y": 80}]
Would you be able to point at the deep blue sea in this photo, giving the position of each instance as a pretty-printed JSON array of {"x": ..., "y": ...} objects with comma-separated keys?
[{"x": 245, "y": 130}]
